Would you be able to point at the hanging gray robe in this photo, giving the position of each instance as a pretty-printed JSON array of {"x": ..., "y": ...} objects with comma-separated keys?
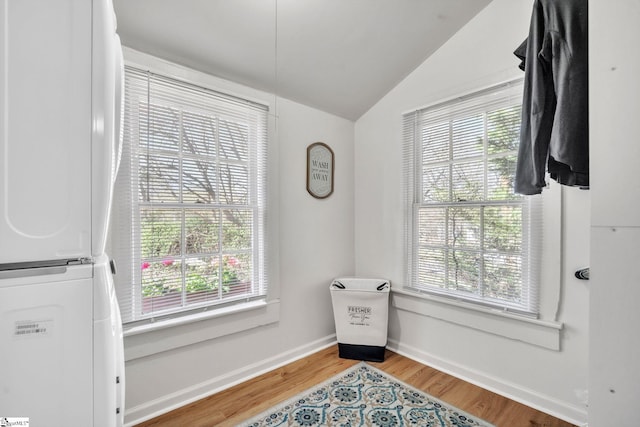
[{"x": 554, "y": 133}]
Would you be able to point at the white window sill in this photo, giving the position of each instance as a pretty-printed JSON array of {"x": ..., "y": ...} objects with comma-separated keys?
[
  {"x": 156, "y": 337},
  {"x": 533, "y": 331}
]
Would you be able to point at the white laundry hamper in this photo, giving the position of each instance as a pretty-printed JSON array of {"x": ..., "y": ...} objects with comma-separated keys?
[{"x": 361, "y": 313}]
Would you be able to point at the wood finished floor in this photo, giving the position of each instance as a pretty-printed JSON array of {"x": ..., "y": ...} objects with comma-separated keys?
[{"x": 231, "y": 406}]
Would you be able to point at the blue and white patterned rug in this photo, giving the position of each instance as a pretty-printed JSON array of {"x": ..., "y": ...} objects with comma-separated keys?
[{"x": 364, "y": 396}]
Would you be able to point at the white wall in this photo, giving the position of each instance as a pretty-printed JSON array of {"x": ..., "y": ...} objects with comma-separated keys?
[
  {"x": 478, "y": 56},
  {"x": 316, "y": 244},
  {"x": 614, "y": 374}
]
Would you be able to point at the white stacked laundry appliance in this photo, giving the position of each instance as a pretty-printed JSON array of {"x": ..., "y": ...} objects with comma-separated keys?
[{"x": 61, "y": 352}]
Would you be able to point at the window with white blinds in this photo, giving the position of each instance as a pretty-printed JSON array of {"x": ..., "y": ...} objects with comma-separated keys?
[
  {"x": 470, "y": 237},
  {"x": 189, "y": 199}
]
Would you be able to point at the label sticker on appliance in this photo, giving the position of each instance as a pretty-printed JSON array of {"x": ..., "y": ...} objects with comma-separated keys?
[{"x": 31, "y": 328}]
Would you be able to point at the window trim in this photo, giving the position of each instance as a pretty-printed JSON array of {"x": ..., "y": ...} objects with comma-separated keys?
[
  {"x": 220, "y": 111},
  {"x": 167, "y": 334},
  {"x": 541, "y": 333},
  {"x": 544, "y": 331},
  {"x": 175, "y": 332}
]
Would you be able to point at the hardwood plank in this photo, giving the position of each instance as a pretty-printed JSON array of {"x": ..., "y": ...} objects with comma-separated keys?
[{"x": 231, "y": 406}]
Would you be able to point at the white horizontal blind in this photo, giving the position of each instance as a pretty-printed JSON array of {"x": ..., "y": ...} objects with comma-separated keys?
[
  {"x": 470, "y": 237},
  {"x": 189, "y": 199}
]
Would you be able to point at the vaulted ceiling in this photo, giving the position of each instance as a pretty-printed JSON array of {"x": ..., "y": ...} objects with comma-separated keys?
[{"x": 340, "y": 56}]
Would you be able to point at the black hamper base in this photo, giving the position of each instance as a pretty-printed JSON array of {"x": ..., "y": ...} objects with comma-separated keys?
[{"x": 370, "y": 353}]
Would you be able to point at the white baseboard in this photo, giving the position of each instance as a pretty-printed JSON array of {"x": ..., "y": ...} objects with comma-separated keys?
[
  {"x": 138, "y": 414},
  {"x": 570, "y": 413},
  {"x": 156, "y": 407}
]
